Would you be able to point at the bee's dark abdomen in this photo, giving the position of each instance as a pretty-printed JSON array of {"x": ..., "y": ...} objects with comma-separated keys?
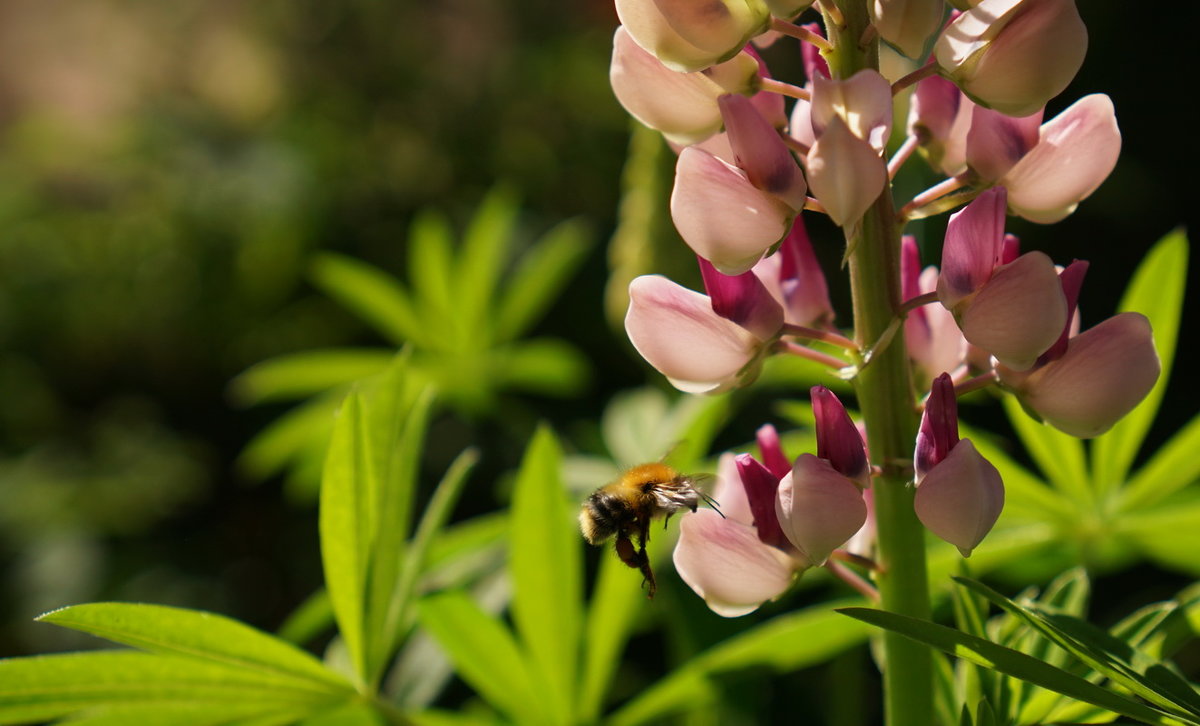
[{"x": 610, "y": 514}]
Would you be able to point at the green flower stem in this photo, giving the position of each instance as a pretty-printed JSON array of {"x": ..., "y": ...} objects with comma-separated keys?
[{"x": 885, "y": 396}]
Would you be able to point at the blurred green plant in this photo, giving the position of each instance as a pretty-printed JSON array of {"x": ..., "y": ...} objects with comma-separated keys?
[
  {"x": 463, "y": 314},
  {"x": 1041, "y": 662}
]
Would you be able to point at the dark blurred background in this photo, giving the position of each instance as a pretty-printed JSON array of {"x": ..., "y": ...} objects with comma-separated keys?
[{"x": 168, "y": 169}]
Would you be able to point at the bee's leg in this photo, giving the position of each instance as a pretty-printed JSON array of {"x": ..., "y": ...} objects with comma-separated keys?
[
  {"x": 647, "y": 574},
  {"x": 638, "y": 560}
]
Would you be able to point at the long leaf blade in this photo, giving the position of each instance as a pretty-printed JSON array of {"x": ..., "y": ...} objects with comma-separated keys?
[
  {"x": 1156, "y": 291},
  {"x": 372, "y": 294},
  {"x": 545, "y": 563},
  {"x": 1008, "y": 661},
  {"x": 191, "y": 633},
  {"x": 543, "y": 272},
  {"x": 1058, "y": 455},
  {"x": 300, "y": 375},
  {"x": 1171, "y": 469}
]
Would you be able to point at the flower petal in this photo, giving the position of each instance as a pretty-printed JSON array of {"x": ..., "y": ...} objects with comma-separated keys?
[
  {"x": 960, "y": 499},
  {"x": 677, "y": 332},
  {"x": 1019, "y": 313},
  {"x": 996, "y": 142},
  {"x": 845, "y": 173},
  {"x": 1076, "y": 152},
  {"x": 725, "y": 563},
  {"x": 863, "y": 102},
  {"x": 758, "y": 151},
  {"x": 818, "y": 508},
  {"x": 971, "y": 250}
]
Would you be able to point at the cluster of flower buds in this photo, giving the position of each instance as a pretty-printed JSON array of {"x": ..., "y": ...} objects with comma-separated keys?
[{"x": 746, "y": 170}]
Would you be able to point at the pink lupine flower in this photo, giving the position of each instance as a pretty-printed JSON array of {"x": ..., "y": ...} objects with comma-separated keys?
[
  {"x": 907, "y": 24},
  {"x": 863, "y": 102},
  {"x": 1013, "y": 55},
  {"x": 819, "y": 508},
  {"x": 721, "y": 215},
  {"x": 1102, "y": 375},
  {"x": 690, "y": 36},
  {"x": 931, "y": 334},
  {"x": 795, "y": 279},
  {"x": 683, "y": 106},
  {"x": 1014, "y": 311},
  {"x": 742, "y": 299},
  {"x": 739, "y": 562},
  {"x": 939, "y": 115},
  {"x": 996, "y": 142},
  {"x": 838, "y": 439},
  {"x": 1075, "y": 153},
  {"x": 678, "y": 332},
  {"x": 959, "y": 493},
  {"x": 760, "y": 152}
]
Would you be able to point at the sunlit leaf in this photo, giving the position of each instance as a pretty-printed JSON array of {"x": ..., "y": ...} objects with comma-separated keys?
[
  {"x": 545, "y": 563},
  {"x": 433, "y": 278},
  {"x": 1059, "y": 456},
  {"x": 310, "y": 619},
  {"x": 300, "y": 375},
  {"x": 484, "y": 654},
  {"x": 783, "y": 644},
  {"x": 298, "y": 435},
  {"x": 1156, "y": 291},
  {"x": 616, "y": 601},
  {"x": 541, "y": 275},
  {"x": 1169, "y": 534},
  {"x": 542, "y": 365},
  {"x": 195, "y": 634},
  {"x": 372, "y": 294},
  {"x": 482, "y": 259},
  {"x": 1172, "y": 468}
]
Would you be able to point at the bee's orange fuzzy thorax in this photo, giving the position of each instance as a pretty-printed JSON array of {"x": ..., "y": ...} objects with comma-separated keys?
[{"x": 644, "y": 474}]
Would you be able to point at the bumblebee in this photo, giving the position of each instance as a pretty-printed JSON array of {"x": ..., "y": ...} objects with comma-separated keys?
[{"x": 626, "y": 507}]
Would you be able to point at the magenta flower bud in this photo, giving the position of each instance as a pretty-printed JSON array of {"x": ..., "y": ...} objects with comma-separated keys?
[
  {"x": 1013, "y": 55},
  {"x": 974, "y": 238},
  {"x": 819, "y": 508},
  {"x": 1018, "y": 314},
  {"x": 772, "y": 451},
  {"x": 722, "y": 216},
  {"x": 863, "y": 102},
  {"x": 1010, "y": 249},
  {"x": 939, "y": 427},
  {"x": 677, "y": 332},
  {"x": 742, "y": 299},
  {"x": 838, "y": 439},
  {"x": 683, "y": 106},
  {"x": 845, "y": 173},
  {"x": 1105, "y": 372},
  {"x": 1075, "y": 153},
  {"x": 939, "y": 115},
  {"x": 795, "y": 278},
  {"x": 996, "y": 142},
  {"x": 907, "y": 24},
  {"x": 689, "y": 35},
  {"x": 761, "y": 486},
  {"x": 960, "y": 499},
  {"x": 760, "y": 152}
]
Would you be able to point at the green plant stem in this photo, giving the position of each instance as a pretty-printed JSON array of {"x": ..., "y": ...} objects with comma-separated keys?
[{"x": 885, "y": 396}]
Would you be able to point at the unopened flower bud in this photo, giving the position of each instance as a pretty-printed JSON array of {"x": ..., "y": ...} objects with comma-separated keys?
[
  {"x": 960, "y": 499},
  {"x": 1013, "y": 55},
  {"x": 1105, "y": 372},
  {"x": 742, "y": 299},
  {"x": 795, "y": 278},
  {"x": 771, "y": 450},
  {"x": 760, "y": 152},
  {"x": 689, "y": 35},
  {"x": 907, "y": 24},
  {"x": 721, "y": 215},
  {"x": 838, "y": 439},
  {"x": 819, "y": 508},
  {"x": 683, "y": 106}
]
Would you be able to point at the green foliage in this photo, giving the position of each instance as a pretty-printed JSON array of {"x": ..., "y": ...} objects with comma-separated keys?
[
  {"x": 1084, "y": 494},
  {"x": 1041, "y": 662}
]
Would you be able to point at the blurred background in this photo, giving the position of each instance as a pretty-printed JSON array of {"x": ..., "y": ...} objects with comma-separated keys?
[{"x": 170, "y": 173}]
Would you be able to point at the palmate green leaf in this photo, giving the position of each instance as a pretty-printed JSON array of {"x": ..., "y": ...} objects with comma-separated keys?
[
  {"x": 785, "y": 643},
  {"x": 1008, "y": 661},
  {"x": 486, "y": 248},
  {"x": 485, "y": 655},
  {"x": 1169, "y": 535},
  {"x": 1058, "y": 455},
  {"x": 373, "y": 295},
  {"x": 296, "y": 437},
  {"x": 1025, "y": 495},
  {"x": 545, "y": 563},
  {"x": 201, "y": 635},
  {"x": 300, "y": 375},
  {"x": 311, "y": 618},
  {"x": 1105, "y": 655},
  {"x": 188, "y": 714},
  {"x": 1156, "y": 291},
  {"x": 433, "y": 276},
  {"x": 1172, "y": 468},
  {"x": 45, "y": 688},
  {"x": 610, "y": 618},
  {"x": 542, "y": 273}
]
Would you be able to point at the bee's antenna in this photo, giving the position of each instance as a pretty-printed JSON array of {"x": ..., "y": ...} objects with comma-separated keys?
[{"x": 712, "y": 503}]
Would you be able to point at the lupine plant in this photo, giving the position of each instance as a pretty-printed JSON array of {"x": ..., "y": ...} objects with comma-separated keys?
[{"x": 989, "y": 316}]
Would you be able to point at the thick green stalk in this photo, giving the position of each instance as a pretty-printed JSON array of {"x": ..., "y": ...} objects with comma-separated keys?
[{"x": 886, "y": 398}]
